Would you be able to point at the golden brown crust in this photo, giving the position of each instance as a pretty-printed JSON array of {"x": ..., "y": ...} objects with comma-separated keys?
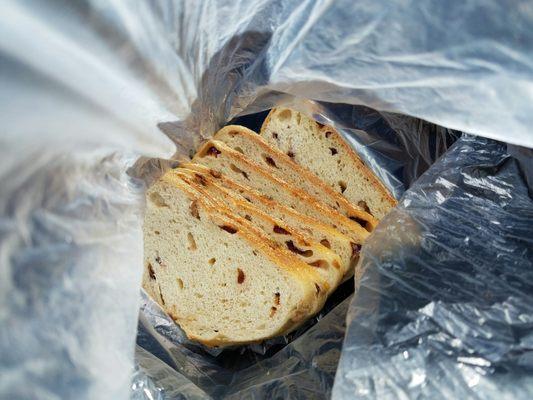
[
  {"x": 257, "y": 239},
  {"x": 373, "y": 180},
  {"x": 299, "y": 194},
  {"x": 301, "y": 240},
  {"x": 230, "y": 184},
  {"x": 350, "y": 209}
]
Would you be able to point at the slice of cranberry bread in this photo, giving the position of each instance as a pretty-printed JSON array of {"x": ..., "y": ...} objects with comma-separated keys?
[
  {"x": 221, "y": 279},
  {"x": 323, "y": 151}
]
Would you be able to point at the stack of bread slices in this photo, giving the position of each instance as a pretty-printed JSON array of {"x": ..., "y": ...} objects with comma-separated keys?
[{"x": 248, "y": 240}]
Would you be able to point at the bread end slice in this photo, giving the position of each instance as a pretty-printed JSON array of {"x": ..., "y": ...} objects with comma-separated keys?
[
  {"x": 222, "y": 282},
  {"x": 324, "y": 151}
]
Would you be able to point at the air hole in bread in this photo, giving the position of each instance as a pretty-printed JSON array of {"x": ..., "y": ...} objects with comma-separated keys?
[
  {"x": 275, "y": 135},
  {"x": 180, "y": 283},
  {"x": 212, "y": 261},
  {"x": 159, "y": 261},
  {"x": 200, "y": 179},
  {"x": 360, "y": 221},
  {"x": 328, "y": 134},
  {"x": 294, "y": 249},
  {"x": 215, "y": 330},
  {"x": 290, "y": 154},
  {"x": 161, "y": 295},
  {"x": 157, "y": 200},
  {"x": 233, "y": 133},
  {"x": 277, "y": 297},
  {"x": 273, "y": 311},
  {"x": 317, "y": 288},
  {"x": 280, "y": 230},
  {"x": 151, "y": 272},
  {"x": 325, "y": 243},
  {"x": 284, "y": 115},
  {"x": 215, "y": 174},
  {"x": 248, "y": 217},
  {"x": 320, "y": 126},
  {"x": 333, "y": 151},
  {"x": 234, "y": 168},
  {"x": 254, "y": 253},
  {"x": 240, "y": 276},
  {"x": 343, "y": 186},
  {"x": 319, "y": 264},
  {"x": 239, "y": 149},
  {"x": 269, "y": 161},
  {"x": 157, "y": 232},
  {"x": 210, "y": 151},
  {"x": 229, "y": 229},
  {"x": 364, "y": 206},
  {"x": 192, "y": 242},
  {"x": 356, "y": 248},
  {"x": 193, "y": 208},
  {"x": 198, "y": 295}
]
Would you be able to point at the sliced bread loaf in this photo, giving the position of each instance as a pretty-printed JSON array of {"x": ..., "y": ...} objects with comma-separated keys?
[
  {"x": 223, "y": 188},
  {"x": 327, "y": 263},
  {"x": 324, "y": 152},
  {"x": 221, "y": 278},
  {"x": 223, "y": 159},
  {"x": 281, "y": 165}
]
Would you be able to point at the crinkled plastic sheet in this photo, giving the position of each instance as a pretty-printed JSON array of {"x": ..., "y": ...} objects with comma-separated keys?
[
  {"x": 89, "y": 86},
  {"x": 445, "y": 308}
]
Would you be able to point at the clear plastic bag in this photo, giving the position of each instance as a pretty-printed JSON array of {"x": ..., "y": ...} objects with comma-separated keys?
[
  {"x": 444, "y": 309},
  {"x": 89, "y": 87}
]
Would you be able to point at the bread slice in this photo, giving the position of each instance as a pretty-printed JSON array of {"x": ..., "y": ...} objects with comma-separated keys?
[
  {"x": 281, "y": 165},
  {"x": 313, "y": 253},
  {"x": 222, "y": 187},
  {"x": 323, "y": 151},
  {"x": 221, "y": 278},
  {"x": 221, "y": 158}
]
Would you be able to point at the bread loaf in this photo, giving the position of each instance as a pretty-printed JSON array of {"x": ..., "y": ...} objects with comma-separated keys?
[
  {"x": 324, "y": 152},
  {"x": 247, "y": 241},
  {"x": 221, "y": 278}
]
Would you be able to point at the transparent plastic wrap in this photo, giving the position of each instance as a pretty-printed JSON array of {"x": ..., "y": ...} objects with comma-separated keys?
[
  {"x": 445, "y": 307},
  {"x": 88, "y": 87}
]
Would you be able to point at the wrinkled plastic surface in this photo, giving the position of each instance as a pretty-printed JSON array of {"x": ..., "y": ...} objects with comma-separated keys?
[
  {"x": 88, "y": 86},
  {"x": 445, "y": 308}
]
